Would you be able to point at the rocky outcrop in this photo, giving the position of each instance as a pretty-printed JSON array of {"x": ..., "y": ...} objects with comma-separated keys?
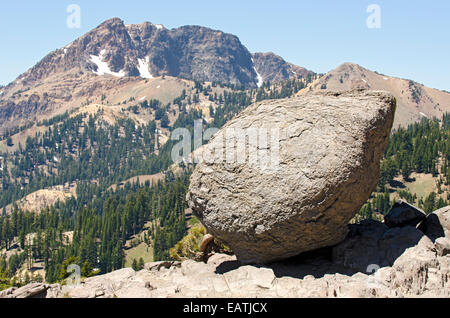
[
  {"x": 274, "y": 68},
  {"x": 372, "y": 242},
  {"x": 297, "y": 191},
  {"x": 373, "y": 261},
  {"x": 403, "y": 213},
  {"x": 437, "y": 224},
  {"x": 35, "y": 290}
]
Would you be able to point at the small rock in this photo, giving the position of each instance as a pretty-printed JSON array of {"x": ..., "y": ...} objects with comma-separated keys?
[
  {"x": 217, "y": 259},
  {"x": 5, "y": 293},
  {"x": 442, "y": 246},
  {"x": 403, "y": 214},
  {"x": 208, "y": 238},
  {"x": 156, "y": 266}
]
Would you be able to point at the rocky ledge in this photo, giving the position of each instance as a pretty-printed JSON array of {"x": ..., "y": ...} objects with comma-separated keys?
[{"x": 375, "y": 260}]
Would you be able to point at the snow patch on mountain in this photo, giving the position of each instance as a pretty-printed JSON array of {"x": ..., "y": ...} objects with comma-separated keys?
[
  {"x": 144, "y": 68},
  {"x": 259, "y": 78},
  {"x": 102, "y": 67}
]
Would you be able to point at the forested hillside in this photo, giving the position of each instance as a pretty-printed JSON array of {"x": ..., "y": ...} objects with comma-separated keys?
[
  {"x": 92, "y": 153},
  {"x": 423, "y": 149}
]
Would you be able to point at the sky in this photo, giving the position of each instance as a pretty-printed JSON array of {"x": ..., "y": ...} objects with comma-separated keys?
[{"x": 411, "y": 39}]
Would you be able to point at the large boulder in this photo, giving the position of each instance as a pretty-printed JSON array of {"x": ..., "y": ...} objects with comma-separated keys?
[{"x": 296, "y": 186}]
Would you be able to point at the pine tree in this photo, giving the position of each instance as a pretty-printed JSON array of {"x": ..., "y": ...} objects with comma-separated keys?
[
  {"x": 141, "y": 264},
  {"x": 134, "y": 265}
]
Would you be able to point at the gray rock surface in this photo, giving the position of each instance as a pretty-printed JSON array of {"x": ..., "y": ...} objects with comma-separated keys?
[
  {"x": 442, "y": 246},
  {"x": 34, "y": 290},
  {"x": 373, "y": 261},
  {"x": 330, "y": 146},
  {"x": 403, "y": 213}
]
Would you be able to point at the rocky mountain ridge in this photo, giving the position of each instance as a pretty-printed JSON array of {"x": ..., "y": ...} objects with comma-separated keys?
[
  {"x": 114, "y": 54},
  {"x": 414, "y": 100}
]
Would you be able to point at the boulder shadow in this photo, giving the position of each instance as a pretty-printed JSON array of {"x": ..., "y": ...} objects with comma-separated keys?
[
  {"x": 315, "y": 263},
  {"x": 367, "y": 244},
  {"x": 432, "y": 227},
  {"x": 227, "y": 266}
]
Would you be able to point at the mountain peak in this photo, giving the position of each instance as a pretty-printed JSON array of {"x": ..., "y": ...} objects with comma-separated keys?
[
  {"x": 414, "y": 101},
  {"x": 150, "y": 50},
  {"x": 349, "y": 66},
  {"x": 273, "y": 68},
  {"x": 146, "y": 50},
  {"x": 112, "y": 21}
]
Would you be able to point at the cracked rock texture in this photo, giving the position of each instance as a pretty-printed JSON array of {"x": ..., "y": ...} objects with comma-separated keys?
[{"x": 330, "y": 146}]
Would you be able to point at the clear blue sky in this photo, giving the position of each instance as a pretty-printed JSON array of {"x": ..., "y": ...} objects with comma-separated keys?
[{"x": 413, "y": 41}]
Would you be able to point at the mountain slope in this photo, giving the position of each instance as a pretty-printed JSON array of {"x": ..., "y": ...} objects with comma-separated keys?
[
  {"x": 414, "y": 100},
  {"x": 149, "y": 50},
  {"x": 115, "y": 56},
  {"x": 274, "y": 68}
]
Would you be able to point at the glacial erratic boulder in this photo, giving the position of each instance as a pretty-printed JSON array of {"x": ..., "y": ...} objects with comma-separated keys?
[{"x": 295, "y": 186}]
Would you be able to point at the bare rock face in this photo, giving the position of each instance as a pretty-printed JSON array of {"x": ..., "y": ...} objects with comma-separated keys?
[
  {"x": 295, "y": 187},
  {"x": 274, "y": 68}
]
